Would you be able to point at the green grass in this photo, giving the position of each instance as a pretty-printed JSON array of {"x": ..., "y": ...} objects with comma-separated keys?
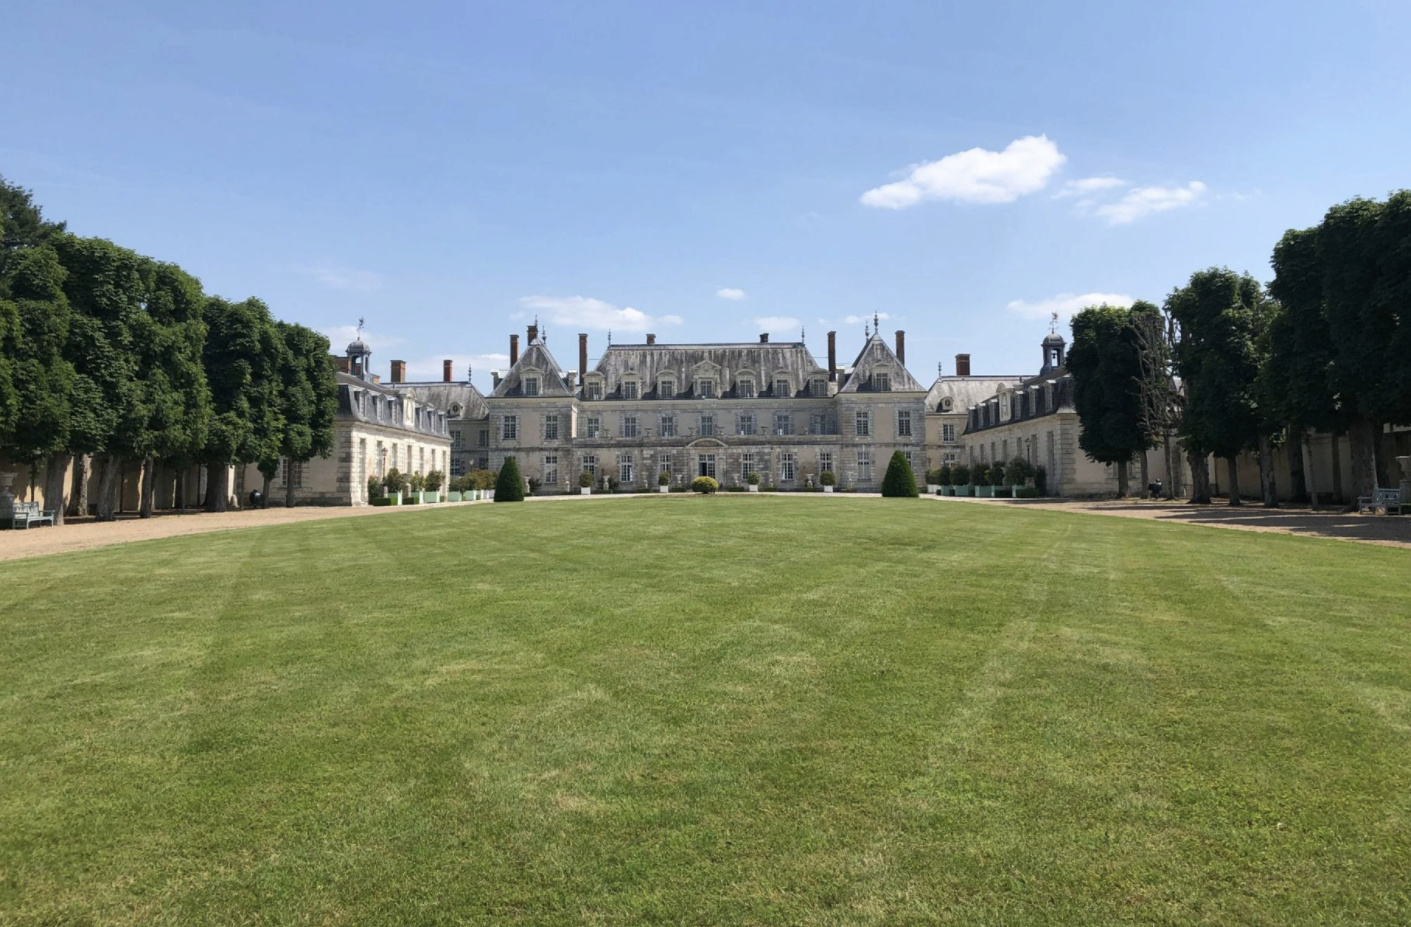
[{"x": 708, "y": 711}]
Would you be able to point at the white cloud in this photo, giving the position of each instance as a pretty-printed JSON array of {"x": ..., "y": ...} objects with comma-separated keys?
[
  {"x": 586, "y": 312},
  {"x": 859, "y": 319},
  {"x": 777, "y": 323},
  {"x": 730, "y": 292},
  {"x": 1143, "y": 201},
  {"x": 975, "y": 176},
  {"x": 1089, "y": 185},
  {"x": 338, "y": 277},
  {"x": 430, "y": 368},
  {"x": 340, "y": 336},
  {"x": 1065, "y": 304}
]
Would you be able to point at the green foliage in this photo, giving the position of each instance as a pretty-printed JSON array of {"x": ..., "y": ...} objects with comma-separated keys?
[
  {"x": 510, "y": 485},
  {"x": 995, "y": 474},
  {"x": 1017, "y": 471},
  {"x": 243, "y": 357},
  {"x": 1026, "y": 492},
  {"x": 374, "y": 488},
  {"x": 585, "y": 480},
  {"x": 1106, "y": 367},
  {"x": 664, "y": 478},
  {"x": 899, "y": 481},
  {"x": 1041, "y": 480},
  {"x": 36, "y": 419},
  {"x": 416, "y": 482},
  {"x": 960, "y": 475},
  {"x": 308, "y": 393},
  {"x": 704, "y": 485},
  {"x": 827, "y": 478},
  {"x": 943, "y": 475},
  {"x": 752, "y": 478},
  {"x": 435, "y": 479},
  {"x": 22, "y": 226},
  {"x": 393, "y": 481}
]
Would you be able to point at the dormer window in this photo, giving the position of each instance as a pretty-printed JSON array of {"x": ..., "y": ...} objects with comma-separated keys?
[
  {"x": 882, "y": 382},
  {"x": 455, "y": 408},
  {"x": 630, "y": 389},
  {"x": 531, "y": 386},
  {"x": 781, "y": 388},
  {"x": 705, "y": 389},
  {"x": 593, "y": 388},
  {"x": 666, "y": 389},
  {"x": 818, "y": 387},
  {"x": 946, "y": 404},
  {"x": 744, "y": 387}
]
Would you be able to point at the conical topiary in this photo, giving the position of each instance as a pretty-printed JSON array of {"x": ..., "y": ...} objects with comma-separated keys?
[
  {"x": 509, "y": 487},
  {"x": 899, "y": 482}
]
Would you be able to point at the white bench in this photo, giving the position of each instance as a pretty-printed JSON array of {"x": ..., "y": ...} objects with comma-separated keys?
[
  {"x": 24, "y": 514},
  {"x": 1383, "y": 500}
]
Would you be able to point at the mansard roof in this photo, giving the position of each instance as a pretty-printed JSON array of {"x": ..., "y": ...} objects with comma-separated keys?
[
  {"x": 446, "y": 396},
  {"x": 964, "y": 392},
  {"x": 875, "y": 354},
  {"x": 536, "y": 356},
  {"x": 652, "y": 363}
]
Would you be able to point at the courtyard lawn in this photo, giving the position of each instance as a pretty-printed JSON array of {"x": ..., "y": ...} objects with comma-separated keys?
[{"x": 754, "y": 710}]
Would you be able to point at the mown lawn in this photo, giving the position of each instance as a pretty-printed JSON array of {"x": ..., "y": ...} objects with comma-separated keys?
[{"x": 708, "y": 711}]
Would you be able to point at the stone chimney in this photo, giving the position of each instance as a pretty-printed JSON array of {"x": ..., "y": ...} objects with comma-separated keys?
[
  {"x": 495, "y": 376},
  {"x": 901, "y": 347},
  {"x": 514, "y": 350},
  {"x": 345, "y": 364},
  {"x": 533, "y": 334},
  {"x": 446, "y": 371},
  {"x": 832, "y": 357},
  {"x": 764, "y": 338},
  {"x": 399, "y": 371},
  {"x": 582, "y": 356},
  {"x": 962, "y": 365},
  {"x": 651, "y": 339}
]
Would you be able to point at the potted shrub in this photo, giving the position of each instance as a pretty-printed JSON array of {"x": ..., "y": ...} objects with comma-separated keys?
[
  {"x": 705, "y": 485},
  {"x": 416, "y": 482},
  {"x": 933, "y": 482},
  {"x": 585, "y": 483},
  {"x": 1041, "y": 481},
  {"x": 753, "y": 479},
  {"x": 374, "y": 490},
  {"x": 1017, "y": 474},
  {"x": 827, "y": 479},
  {"x": 943, "y": 480},
  {"x": 960, "y": 480},
  {"x": 995, "y": 477},
  {"x": 453, "y": 488},
  {"x": 394, "y": 483},
  {"x": 434, "y": 481},
  {"x": 663, "y": 481}
]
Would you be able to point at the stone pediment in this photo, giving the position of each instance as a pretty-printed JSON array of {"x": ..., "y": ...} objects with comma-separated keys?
[{"x": 707, "y": 442}]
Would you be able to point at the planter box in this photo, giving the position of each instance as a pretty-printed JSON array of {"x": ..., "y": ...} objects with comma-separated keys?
[
  {"x": 753, "y": 488},
  {"x": 433, "y": 495},
  {"x": 663, "y": 489},
  {"x": 933, "y": 489},
  {"x": 828, "y": 488},
  {"x": 585, "y": 491},
  {"x": 1003, "y": 492},
  {"x": 452, "y": 496},
  {"x": 984, "y": 492},
  {"x": 947, "y": 490}
]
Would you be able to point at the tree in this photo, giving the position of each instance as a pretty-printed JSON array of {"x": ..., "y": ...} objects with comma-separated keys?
[
  {"x": 509, "y": 486},
  {"x": 899, "y": 480},
  {"x": 308, "y": 398},
  {"x": 1217, "y": 362},
  {"x": 22, "y": 226},
  {"x": 1161, "y": 399},
  {"x": 1106, "y": 365},
  {"x": 241, "y": 360}
]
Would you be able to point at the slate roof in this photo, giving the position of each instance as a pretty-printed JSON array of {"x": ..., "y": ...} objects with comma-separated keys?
[
  {"x": 875, "y": 353},
  {"x": 681, "y": 362},
  {"x": 348, "y": 410},
  {"x": 536, "y": 356},
  {"x": 965, "y": 392},
  {"x": 444, "y": 395}
]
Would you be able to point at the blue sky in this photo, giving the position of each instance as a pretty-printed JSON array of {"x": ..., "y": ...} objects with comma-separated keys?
[{"x": 449, "y": 170}]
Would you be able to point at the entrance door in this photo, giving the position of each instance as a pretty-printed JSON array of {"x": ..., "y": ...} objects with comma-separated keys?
[{"x": 705, "y": 465}]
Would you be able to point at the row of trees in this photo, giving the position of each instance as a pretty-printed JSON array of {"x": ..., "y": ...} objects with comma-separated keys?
[
  {"x": 112, "y": 358},
  {"x": 1226, "y": 365}
]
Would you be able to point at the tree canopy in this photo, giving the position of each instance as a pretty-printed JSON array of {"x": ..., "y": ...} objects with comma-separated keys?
[{"x": 1106, "y": 365}]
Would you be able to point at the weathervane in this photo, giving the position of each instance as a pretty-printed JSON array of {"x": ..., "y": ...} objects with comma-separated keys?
[
  {"x": 801, "y": 334},
  {"x": 1053, "y": 323},
  {"x": 609, "y": 336},
  {"x": 876, "y": 325},
  {"x": 360, "y": 327}
]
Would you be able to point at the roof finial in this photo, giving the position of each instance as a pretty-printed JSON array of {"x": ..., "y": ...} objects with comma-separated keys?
[
  {"x": 609, "y": 336},
  {"x": 1053, "y": 323},
  {"x": 940, "y": 372},
  {"x": 360, "y": 328},
  {"x": 866, "y": 332},
  {"x": 801, "y": 334},
  {"x": 876, "y": 325}
]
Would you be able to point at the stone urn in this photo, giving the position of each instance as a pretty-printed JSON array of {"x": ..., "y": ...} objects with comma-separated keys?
[{"x": 7, "y": 500}]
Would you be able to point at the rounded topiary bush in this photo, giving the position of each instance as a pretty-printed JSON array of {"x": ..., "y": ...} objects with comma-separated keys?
[
  {"x": 828, "y": 478},
  {"x": 585, "y": 480},
  {"x": 752, "y": 478},
  {"x": 899, "y": 481},
  {"x": 509, "y": 487},
  {"x": 704, "y": 485}
]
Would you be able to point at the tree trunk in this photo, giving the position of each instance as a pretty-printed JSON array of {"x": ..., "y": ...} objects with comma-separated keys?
[
  {"x": 78, "y": 496},
  {"x": 1267, "y": 486},
  {"x": 148, "y": 487},
  {"x": 1232, "y": 467},
  {"x": 1146, "y": 473},
  {"x": 1122, "y": 479},
  {"x": 1173, "y": 466},
  {"x": 181, "y": 476},
  {"x": 1337, "y": 469},
  {"x": 1306, "y": 441},
  {"x": 109, "y": 471},
  {"x": 1299, "y": 487},
  {"x": 1362, "y": 437},
  {"x": 289, "y": 487},
  {"x": 217, "y": 483},
  {"x": 54, "y": 472},
  {"x": 1200, "y": 478}
]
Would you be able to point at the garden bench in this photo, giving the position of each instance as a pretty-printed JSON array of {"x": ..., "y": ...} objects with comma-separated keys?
[
  {"x": 1384, "y": 499},
  {"x": 24, "y": 514}
]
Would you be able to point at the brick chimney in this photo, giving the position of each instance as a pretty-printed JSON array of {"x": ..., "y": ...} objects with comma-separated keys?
[
  {"x": 764, "y": 338},
  {"x": 345, "y": 364},
  {"x": 533, "y": 334},
  {"x": 446, "y": 371},
  {"x": 832, "y": 357},
  {"x": 901, "y": 347},
  {"x": 495, "y": 376},
  {"x": 962, "y": 365},
  {"x": 582, "y": 357},
  {"x": 651, "y": 339},
  {"x": 399, "y": 371},
  {"x": 514, "y": 350}
]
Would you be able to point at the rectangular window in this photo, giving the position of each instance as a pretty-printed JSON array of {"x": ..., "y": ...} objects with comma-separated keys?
[
  {"x": 705, "y": 389},
  {"x": 864, "y": 466},
  {"x": 818, "y": 424},
  {"x": 664, "y": 462},
  {"x": 668, "y": 426},
  {"x": 746, "y": 389},
  {"x": 292, "y": 471},
  {"x": 746, "y": 465},
  {"x": 818, "y": 387},
  {"x": 551, "y": 469},
  {"x": 705, "y": 465},
  {"x": 625, "y": 463},
  {"x": 482, "y": 438},
  {"x": 629, "y": 389},
  {"x": 864, "y": 424},
  {"x": 629, "y": 426},
  {"x": 787, "y": 465},
  {"x": 531, "y": 386},
  {"x": 593, "y": 426},
  {"x": 482, "y": 462},
  {"x": 707, "y": 426},
  {"x": 666, "y": 389},
  {"x": 455, "y": 438},
  {"x": 551, "y": 427},
  {"x": 825, "y": 461},
  {"x": 948, "y": 433},
  {"x": 903, "y": 424},
  {"x": 590, "y": 463},
  {"x": 509, "y": 428},
  {"x": 783, "y": 423},
  {"x": 781, "y": 389},
  {"x": 746, "y": 423},
  {"x": 593, "y": 389},
  {"x": 457, "y": 467},
  {"x": 882, "y": 382}
]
